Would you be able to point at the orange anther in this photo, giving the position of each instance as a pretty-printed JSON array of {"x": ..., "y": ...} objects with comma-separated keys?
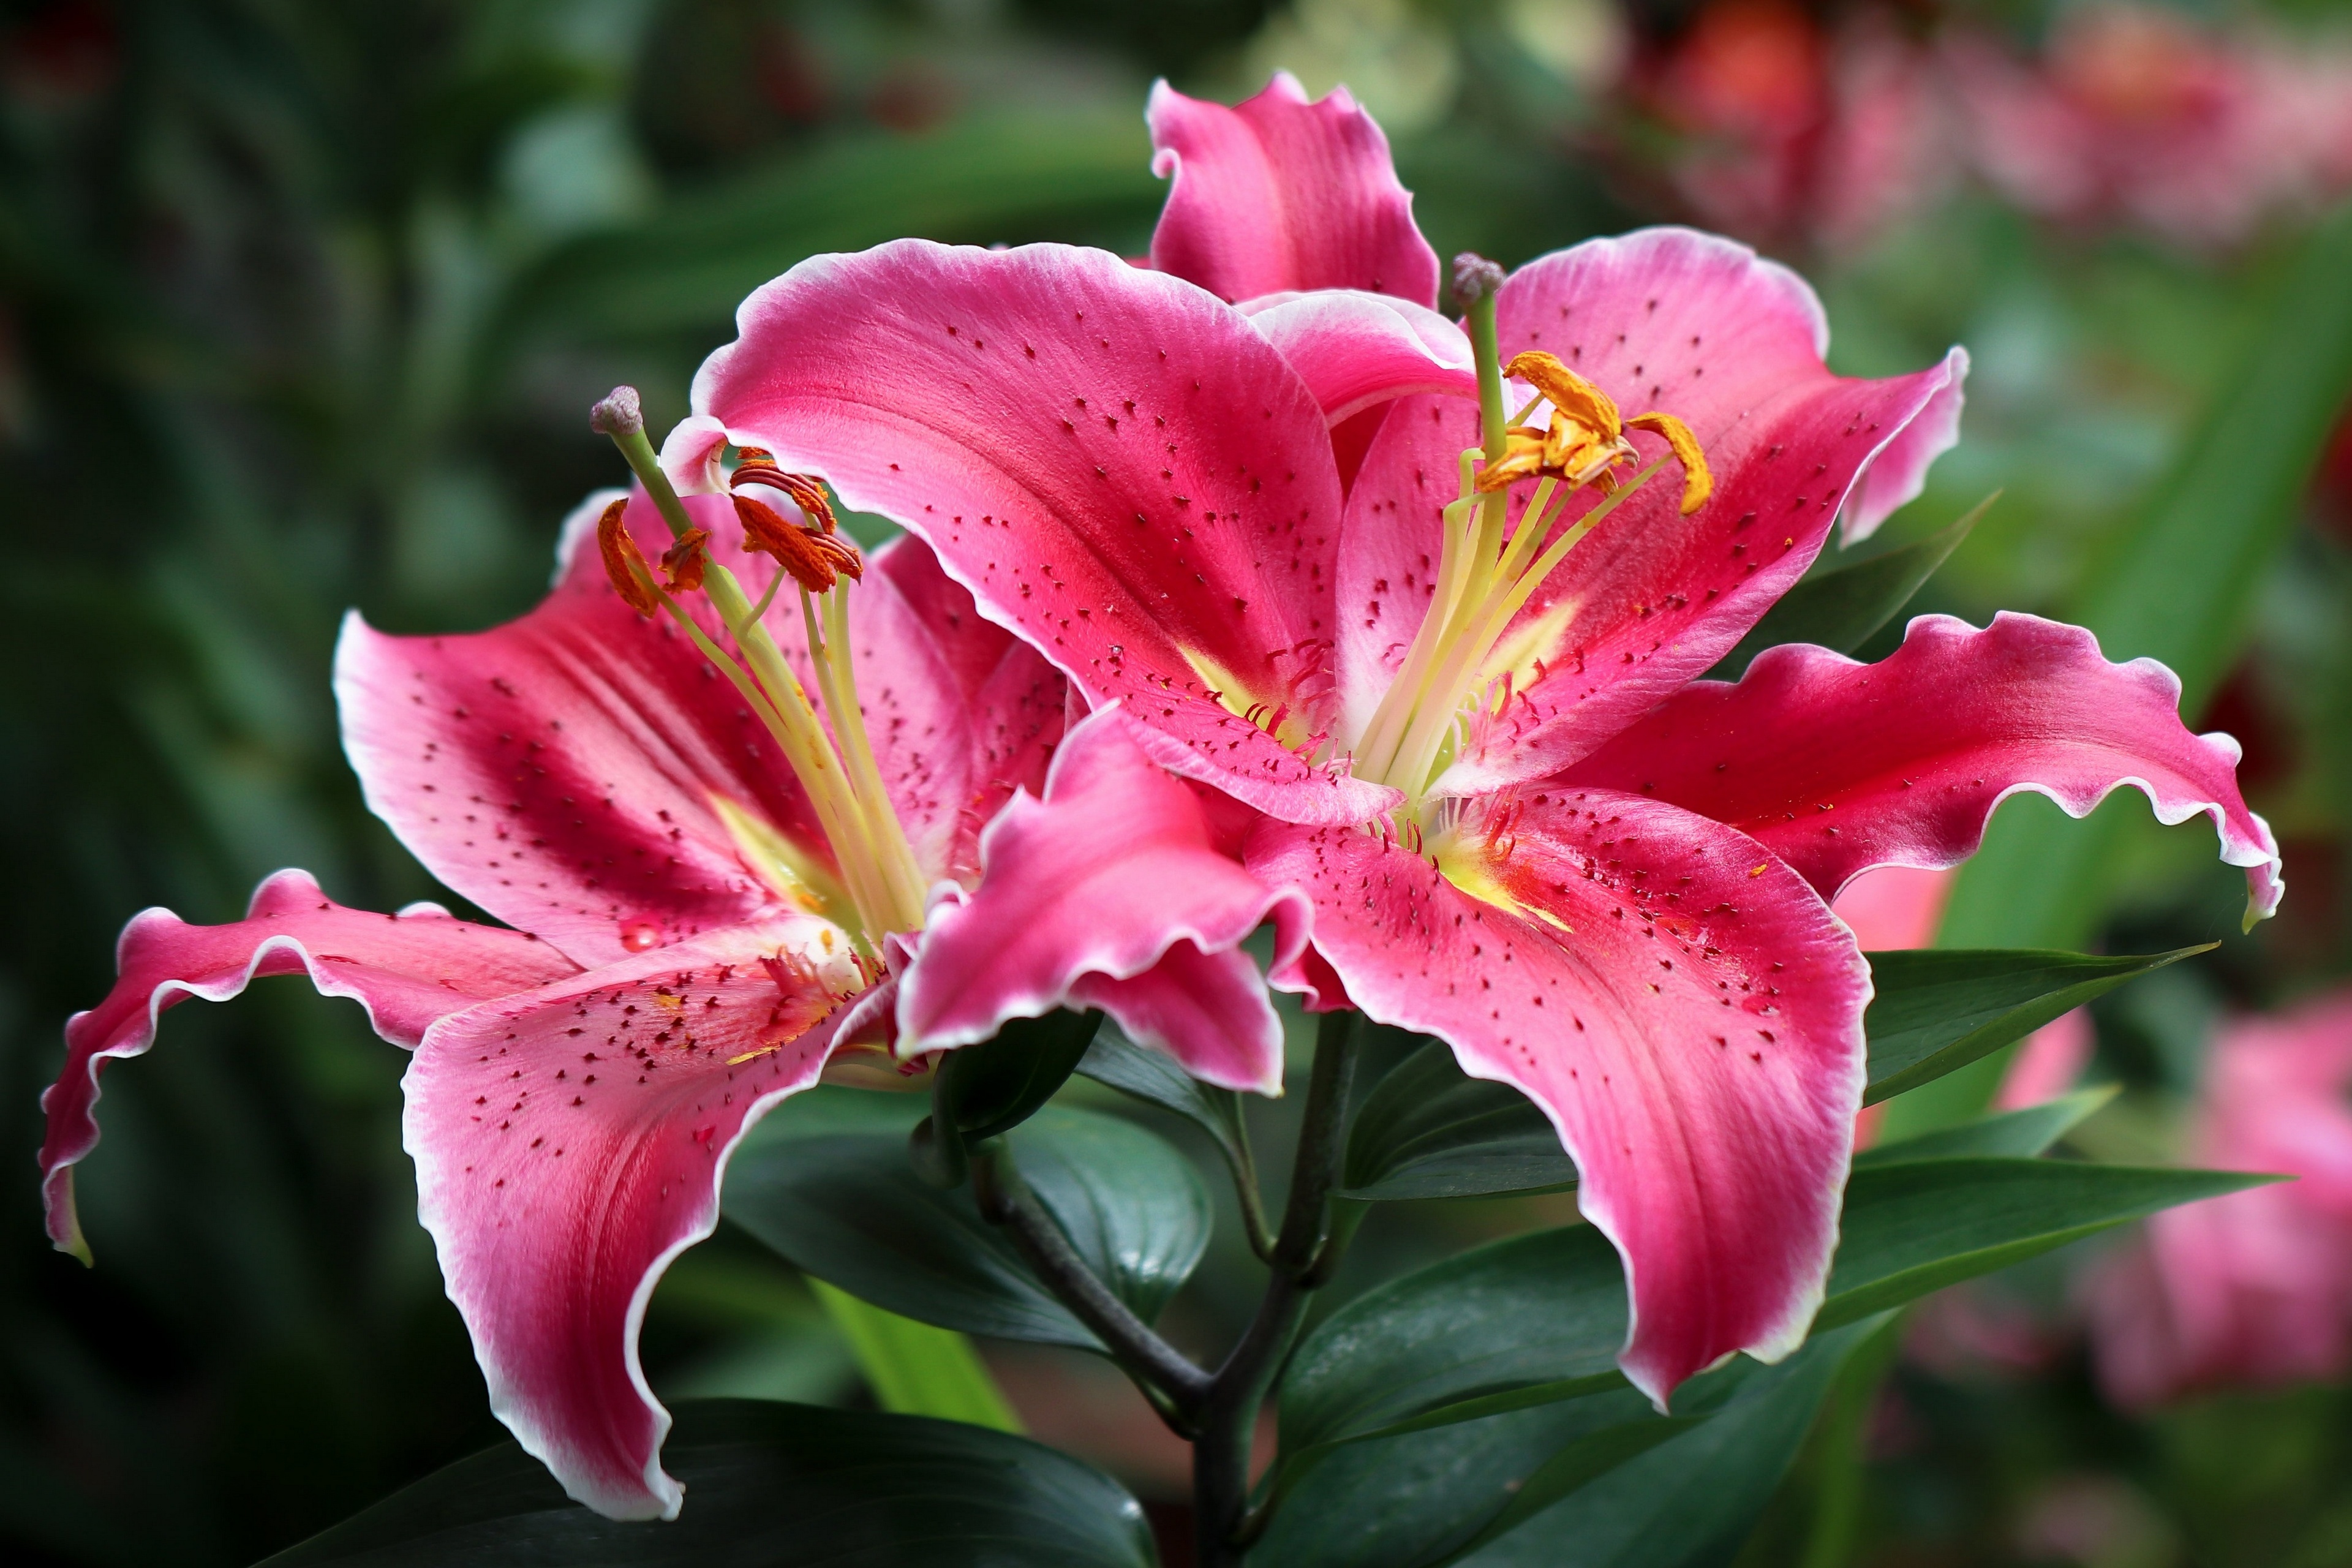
[
  {"x": 796, "y": 550},
  {"x": 624, "y": 562}
]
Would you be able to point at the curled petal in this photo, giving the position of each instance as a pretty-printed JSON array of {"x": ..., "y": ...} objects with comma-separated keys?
[
  {"x": 1684, "y": 1008},
  {"x": 1107, "y": 892},
  {"x": 406, "y": 968},
  {"x": 690, "y": 456},
  {"x": 1356, "y": 350},
  {"x": 570, "y": 1141},
  {"x": 1279, "y": 194},
  {"x": 1838, "y": 766}
]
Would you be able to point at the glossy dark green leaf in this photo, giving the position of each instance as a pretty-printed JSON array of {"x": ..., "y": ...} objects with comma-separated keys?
[
  {"x": 1154, "y": 1077},
  {"x": 1839, "y": 609},
  {"x": 1935, "y": 1010},
  {"x": 1603, "y": 1478},
  {"x": 769, "y": 1485},
  {"x": 2020, "y": 1133},
  {"x": 848, "y": 1208},
  {"x": 1541, "y": 1318},
  {"x": 1907, "y": 1229},
  {"x": 1688, "y": 1500},
  {"x": 995, "y": 1086},
  {"x": 1430, "y": 1131}
]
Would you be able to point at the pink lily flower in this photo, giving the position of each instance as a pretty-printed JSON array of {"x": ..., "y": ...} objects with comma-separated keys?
[
  {"x": 2255, "y": 1289},
  {"x": 1480, "y": 742},
  {"x": 690, "y": 942}
]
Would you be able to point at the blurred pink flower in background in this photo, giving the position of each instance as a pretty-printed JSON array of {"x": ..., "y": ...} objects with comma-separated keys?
[
  {"x": 1796, "y": 133},
  {"x": 2137, "y": 115},
  {"x": 2256, "y": 1287}
]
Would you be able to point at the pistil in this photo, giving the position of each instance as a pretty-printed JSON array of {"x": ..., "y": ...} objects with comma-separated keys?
[{"x": 837, "y": 772}]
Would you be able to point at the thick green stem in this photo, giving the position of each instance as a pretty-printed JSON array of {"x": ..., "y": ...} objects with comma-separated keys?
[
  {"x": 1302, "y": 1259},
  {"x": 1176, "y": 1387}
]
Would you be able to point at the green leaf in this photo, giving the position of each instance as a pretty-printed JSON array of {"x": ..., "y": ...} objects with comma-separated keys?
[
  {"x": 913, "y": 1369},
  {"x": 1935, "y": 1010},
  {"x": 1154, "y": 1077},
  {"x": 1607, "y": 1473},
  {"x": 848, "y": 1208},
  {"x": 1430, "y": 1131},
  {"x": 1907, "y": 1229},
  {"x": 994, "y": 1086},
  {"x": 766, "y": 1483},
  {"x": 2022, "y": 1134},
  {"x": 1840, "y": 609},
  {"x": 1688, "y": 1499},
  {"x": 1541, "y": 1318},
  {"x": 1083, "y": 176}
]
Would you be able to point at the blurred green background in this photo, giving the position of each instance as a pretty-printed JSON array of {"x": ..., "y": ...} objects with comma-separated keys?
[{"x": 302, "y": 303}]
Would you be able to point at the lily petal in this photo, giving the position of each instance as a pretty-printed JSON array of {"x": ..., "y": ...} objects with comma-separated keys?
[
  {"x": 1665, "y": 320},
  {"x": 1683, "y": 1007},
  {"x": 1278, "y": 193},
  {"x": 571, "y": 1141},
  {"x": 1116, "y": 465},
  {"x": 1109, "y": 892},
  {"x": 1010, "y": 703},
  {"x": 406, "y": 968},
  {"x": 1355, "y": 350},
  {"x": 1837, "y": 766},
  {"x": 566, "y": 771}
]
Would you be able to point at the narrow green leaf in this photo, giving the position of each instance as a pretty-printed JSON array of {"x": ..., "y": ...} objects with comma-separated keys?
[
  {"x": 1936, "y": 1010},
  {"x": 1605, "y": 1478},
  {"x": 1840, "y": 609},
  {"x": 1538, "y": 1318},
  {"x": 768, "y": 1483},
  {"x": 913, "y": 1369},
  {"x": 848, "y": 1208},
  {"x": 1154, "y": 1077},
  {"x": 1688, "y": 1500},
  {"x": 1430, "y": 1131},
  {"x": 1907, "y": 1229},
  {"x": 2021, "y": 1133}
]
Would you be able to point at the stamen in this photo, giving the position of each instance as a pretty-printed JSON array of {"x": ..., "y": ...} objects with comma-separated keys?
[
  {"x": 685, "y": 561},
  {"x": 795, "y": 549},
  {"x": 1698, "y": 483},
  {"x": 624, "y": 564},
  {"x": 757, "y": 466}
]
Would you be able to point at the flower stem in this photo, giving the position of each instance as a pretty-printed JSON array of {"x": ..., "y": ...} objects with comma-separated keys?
[
  {"x": 1302, "y": 1259},
  {"x": 1174, "y": 1384}
]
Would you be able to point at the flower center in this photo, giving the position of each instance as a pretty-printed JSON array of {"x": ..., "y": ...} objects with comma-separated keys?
[
  {"x": 880, "y": 881},
  {"x": 1489, "y": 570}
]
